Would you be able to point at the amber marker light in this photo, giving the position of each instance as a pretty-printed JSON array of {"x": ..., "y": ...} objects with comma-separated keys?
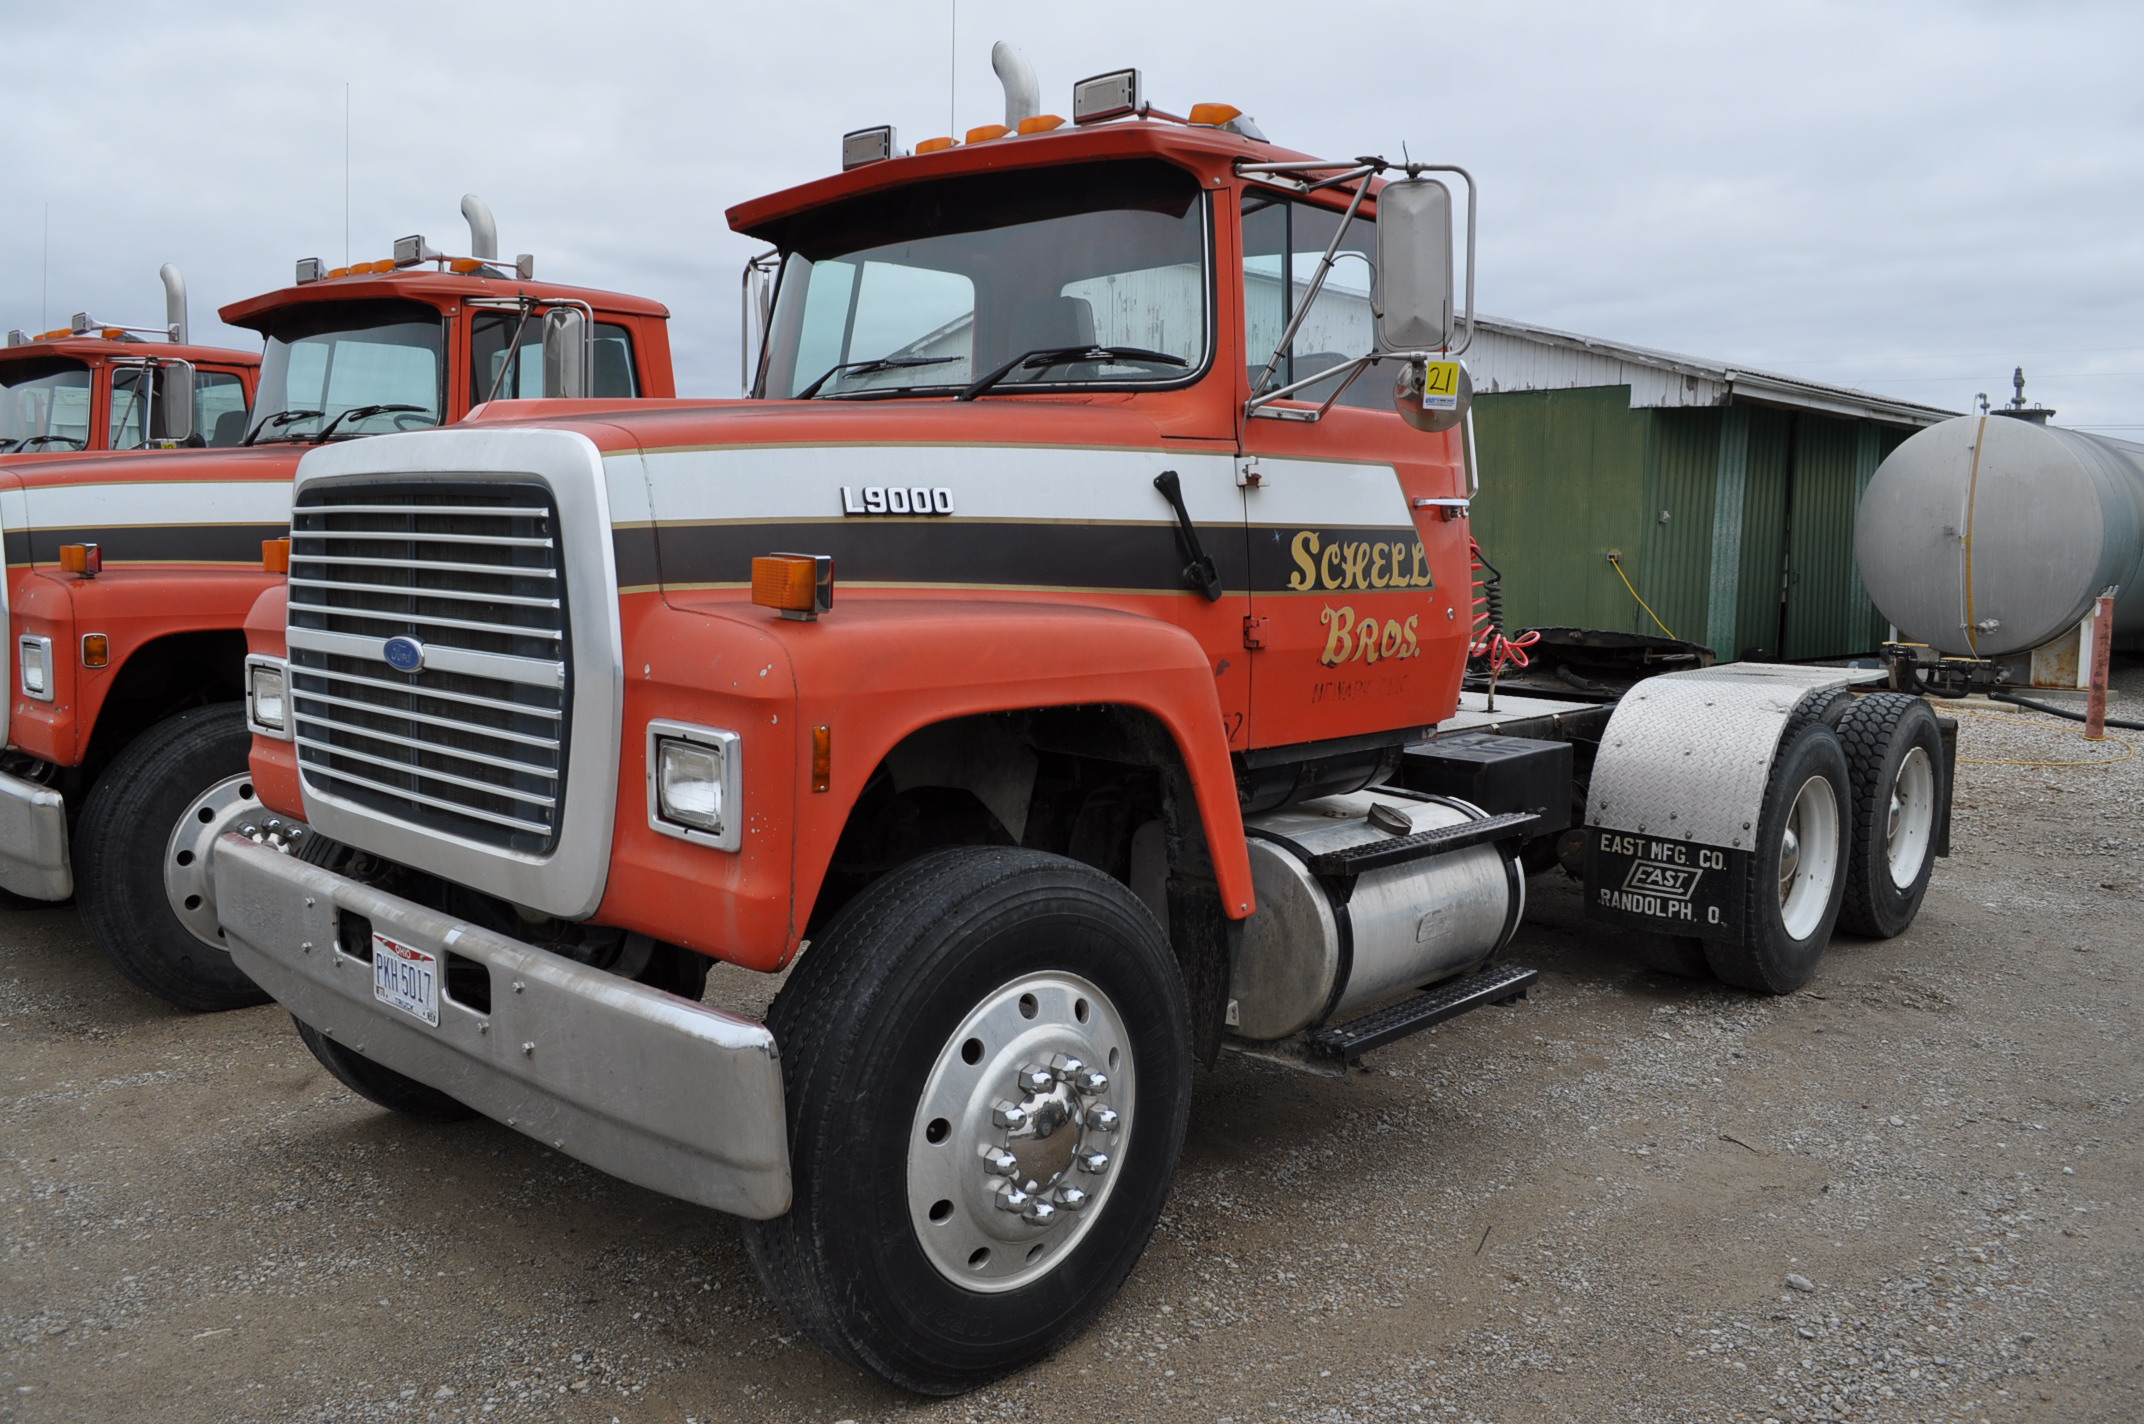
[
  {"x": 84, "y": 559},
  {"x": 799, "y": 586},
  {"x": 275, "y": 555},
  {"x": 1214, "y": 115},
  {"x": 822, "y": 758},
  {"x": 935, "y": 145},
  {"x": 987, "y": 132},
  {"x": 96, "y": 650},
  {"x": 1040, "y": 123}
]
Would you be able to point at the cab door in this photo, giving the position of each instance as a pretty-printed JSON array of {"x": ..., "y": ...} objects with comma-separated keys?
[{"x": 1359, "y": 596}]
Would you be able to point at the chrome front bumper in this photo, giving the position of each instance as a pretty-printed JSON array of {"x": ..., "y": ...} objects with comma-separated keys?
[
  {"x": 33, "y": 840},
  {"x": 672, "y": 1095}
]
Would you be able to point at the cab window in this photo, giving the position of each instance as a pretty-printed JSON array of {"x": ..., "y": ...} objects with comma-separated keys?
[
  {"x": 219, "y": 407},
  {"x": 1283, "y": 242},
  {"x": 502, "y": 342},
  {"x": 44, "y": 404}
]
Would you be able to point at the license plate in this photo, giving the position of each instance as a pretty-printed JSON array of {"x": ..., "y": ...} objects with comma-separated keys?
[
  {"x": 1675, "y": 887},
  {"x": 406, "y": 978}
]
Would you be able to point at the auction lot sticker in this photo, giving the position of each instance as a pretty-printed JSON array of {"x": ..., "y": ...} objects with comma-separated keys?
[{"x": 1672, "y": 887}]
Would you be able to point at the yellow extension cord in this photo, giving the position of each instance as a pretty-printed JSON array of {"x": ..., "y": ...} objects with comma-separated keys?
[{"x": 1618, "y": 566}]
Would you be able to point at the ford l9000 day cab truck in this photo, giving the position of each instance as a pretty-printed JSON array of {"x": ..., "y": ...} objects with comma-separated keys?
[
  {"x": 1055, "y": 665},
  {"x": 95, "y": 386},
  {"x": 129, "y": 575}
]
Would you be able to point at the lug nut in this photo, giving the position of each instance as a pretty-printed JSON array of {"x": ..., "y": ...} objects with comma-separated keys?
[
  {"x": 1011, "y": 1198},
  {"x": 1006, "y": 1114},
  {"x": 1035, "y": 1078},
  {"x": 1066, "y": 1065},
  {"x": 1038, "y": 1212},
  {"x": 1102, "y": 1119},
  {"x": 1094, "y": 1163},
  {"x": 999, "y": 1163},
  {"x": 1091, "y": 1081},
  {"x": 1071, "y": 1198}
]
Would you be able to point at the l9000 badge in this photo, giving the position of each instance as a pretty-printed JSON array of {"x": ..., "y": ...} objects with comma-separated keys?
[{"x": 896, "y": 499}]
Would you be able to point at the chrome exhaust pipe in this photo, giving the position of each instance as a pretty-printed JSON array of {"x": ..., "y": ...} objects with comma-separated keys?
[
  {"x": 1023, "y": 92},
  {"x": 174, "y": 304},
  {"x": 483, "y": 232}
]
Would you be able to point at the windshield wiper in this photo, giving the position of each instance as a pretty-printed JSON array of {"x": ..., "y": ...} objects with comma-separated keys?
[
  {"x": 882, "y": 363},
  {"x": 1048, "y": 356},
  {"x": 362, "y": 412},
  {"x": 280, "y": 419},
  {"x": 32, "y": 442}
]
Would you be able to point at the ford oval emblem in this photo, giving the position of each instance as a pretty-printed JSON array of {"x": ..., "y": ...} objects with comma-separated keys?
[{"x": 403, "y": 654}]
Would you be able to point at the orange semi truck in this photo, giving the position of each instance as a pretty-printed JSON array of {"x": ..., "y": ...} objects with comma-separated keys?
[
  {"x": 1055, "y": 666},
  {"x": 129, "y": 576},
  {"x": 94, "y": 386}
]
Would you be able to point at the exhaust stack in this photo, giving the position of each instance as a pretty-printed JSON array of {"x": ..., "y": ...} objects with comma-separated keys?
[
  {"x": 483, "y": 232},
  {"x": 1023, "y": 92},
  {"x": 174, "y": 304}
]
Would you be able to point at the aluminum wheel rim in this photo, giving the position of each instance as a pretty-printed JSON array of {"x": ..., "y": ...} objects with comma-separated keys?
[
  {"x": 1018, "y": 1138},
  {"x": 1808, "y": 857},
  {"x": 187, "y": 882},
  {"x": 1911, "y": 818}
]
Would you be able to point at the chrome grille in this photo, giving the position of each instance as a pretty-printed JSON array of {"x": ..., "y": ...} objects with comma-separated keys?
[{"x": 474, "y": 741}]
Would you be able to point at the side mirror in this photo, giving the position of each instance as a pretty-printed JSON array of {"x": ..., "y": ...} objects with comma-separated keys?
[
  {"x": 565, "y": 354},
  {"x": 1414, "y": 265},
  {"x": 171, "y": 415}
]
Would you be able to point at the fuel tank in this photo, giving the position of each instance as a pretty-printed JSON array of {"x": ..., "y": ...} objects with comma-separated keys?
[{"x": 1988, "y": 535}]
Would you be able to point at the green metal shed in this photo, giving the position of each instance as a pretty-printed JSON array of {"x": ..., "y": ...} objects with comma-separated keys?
[{"x": 1727, "y": 495}]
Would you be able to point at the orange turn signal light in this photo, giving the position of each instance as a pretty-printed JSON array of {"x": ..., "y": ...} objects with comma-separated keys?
[
  {"x": 275, "y": 555},
  {"x": 1040, "y": 123},
  {"x": 1214, "y": 115},
  {"x": 334, "y": 272},
  {"x": 465, "y": 265},
  {"x": 933, "y": 145},
  {"x": 54, "y": 334},
  {"x": 987, "y": 132},
  {"x": 96, "y": 650},
  {"x": 799, "y": 586},
  {"x": 84, "y": 559},
  {"x": 822, "y": 758}
]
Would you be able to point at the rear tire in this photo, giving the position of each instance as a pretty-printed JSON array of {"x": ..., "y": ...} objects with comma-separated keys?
[
  {"x": 148, "y": 801},
  {"x": 1796, "y": 875},
  {"x": 1894, "y": 759},
  {"x": 380, "y": 1084},
  {"x": 915, "y": 1248}
]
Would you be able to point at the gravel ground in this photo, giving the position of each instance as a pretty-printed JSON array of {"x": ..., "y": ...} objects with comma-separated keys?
[{"x": 1910, "y": 1192}]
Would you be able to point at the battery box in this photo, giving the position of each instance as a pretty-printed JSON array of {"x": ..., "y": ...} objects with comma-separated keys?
[{"x": 1496, "y": 773}]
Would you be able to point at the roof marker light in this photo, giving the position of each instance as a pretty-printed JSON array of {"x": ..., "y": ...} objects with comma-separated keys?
[
  {"x": 465, "y": 265},
  {"x": 1040, "y": 123},
  {"x": 1213, "y": 116},
  {"x": 986, "y": 133},
  {"x": 873, "y": 145},
  {"x": 1105, "y": 96},
  {"x": 935, "y": 145}
]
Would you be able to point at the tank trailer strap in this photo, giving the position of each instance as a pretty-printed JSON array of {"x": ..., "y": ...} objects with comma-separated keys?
[{"x": 1346, "y": 1042}]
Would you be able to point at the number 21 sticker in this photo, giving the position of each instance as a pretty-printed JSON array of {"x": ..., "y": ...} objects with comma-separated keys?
[{"x": 1440, "y": 385}]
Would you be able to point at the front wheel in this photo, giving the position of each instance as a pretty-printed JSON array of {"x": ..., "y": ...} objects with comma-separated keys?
[
  {"x": 988, "y": 1064},
  {"x": 142, "y": 856}
]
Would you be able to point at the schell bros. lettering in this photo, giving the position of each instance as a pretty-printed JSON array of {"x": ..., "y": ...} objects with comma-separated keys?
[
  {"x": 896, "y": 499},
  {"x": 1351, "y": 563}
]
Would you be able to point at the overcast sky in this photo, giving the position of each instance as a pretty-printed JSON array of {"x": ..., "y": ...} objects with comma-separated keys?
[{"x": 1910, "y": 198}]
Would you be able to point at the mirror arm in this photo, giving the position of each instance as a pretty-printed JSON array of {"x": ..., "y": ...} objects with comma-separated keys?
[
  {"x": 1317, "y": 282},
  {"x": 1354, "y": 369},
  {"x": 754, "y": 282}
]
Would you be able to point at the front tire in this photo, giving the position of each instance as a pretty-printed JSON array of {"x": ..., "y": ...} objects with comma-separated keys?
[
  {"x": 1894, "y": 757},
  {"x": 141, "y": 857},
  {"x": 967, "y": 1196},
  {"x": 1796, "y": 876},
  {"x": 377, "y": 1083}
]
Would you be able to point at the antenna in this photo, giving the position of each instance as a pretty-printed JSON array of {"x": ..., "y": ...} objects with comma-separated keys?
[
  {"x": 346, "y": 174},
  {"x": 44, "y": 275},
  {"x": 952, "y": 67}
]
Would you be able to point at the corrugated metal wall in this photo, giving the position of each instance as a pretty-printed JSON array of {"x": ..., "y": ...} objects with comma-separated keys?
[{"x": 1756, "y": 500}]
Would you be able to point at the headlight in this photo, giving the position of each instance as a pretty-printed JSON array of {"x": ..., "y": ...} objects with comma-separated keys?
[
  {"x": 694, "y": 784},
  {"x": 267, "y": 703},
  {"x": 37, "y": 668}
]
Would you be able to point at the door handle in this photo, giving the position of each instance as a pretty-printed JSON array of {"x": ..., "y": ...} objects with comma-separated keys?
[{"x": 1200, "y": 575}]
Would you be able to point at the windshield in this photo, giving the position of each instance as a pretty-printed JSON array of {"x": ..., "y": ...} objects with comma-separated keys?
[
  {"x": 955, "y": 278},
  {"x": 340, "y": 357},
  {"x": 44, "y": 404}
]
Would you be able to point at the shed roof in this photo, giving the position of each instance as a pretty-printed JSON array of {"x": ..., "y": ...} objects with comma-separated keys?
[{"x": 1518, "y": 356}]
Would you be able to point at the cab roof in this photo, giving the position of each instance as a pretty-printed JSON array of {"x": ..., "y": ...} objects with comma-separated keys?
[
  {"x": 1212, "y": 153},
  {"x": 96, "y": 348},
  {"x": 430, "y": 287}
]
